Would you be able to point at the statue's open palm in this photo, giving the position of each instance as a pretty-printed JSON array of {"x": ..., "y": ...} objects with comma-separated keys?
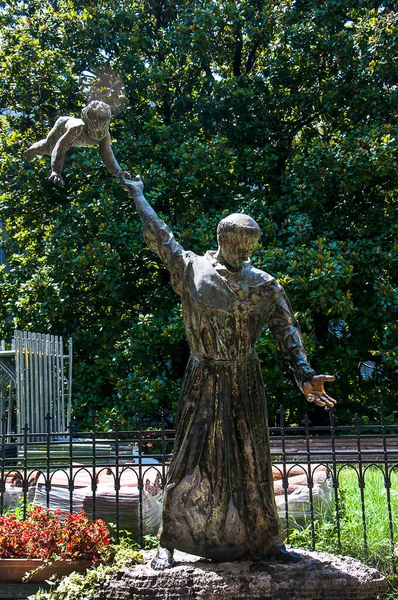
[{"x": 314, "y": 391}]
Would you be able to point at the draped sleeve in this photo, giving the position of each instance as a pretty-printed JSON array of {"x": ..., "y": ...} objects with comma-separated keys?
[
  {"x": 161, "y": 240},
  {"x": 286, "y": 330}
]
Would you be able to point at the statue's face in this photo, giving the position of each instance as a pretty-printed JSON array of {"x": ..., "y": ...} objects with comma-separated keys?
[
  {"x": 98, "y": 128},
  {"x": 238, "y": 235},
  {"x": 235, "y": 249}
]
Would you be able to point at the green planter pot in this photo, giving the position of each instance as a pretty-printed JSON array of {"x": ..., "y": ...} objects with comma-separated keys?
[{"x": 13, "y": 570}]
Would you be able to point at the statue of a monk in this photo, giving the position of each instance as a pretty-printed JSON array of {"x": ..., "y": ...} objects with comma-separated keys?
[{"x": 219, "y": 497}]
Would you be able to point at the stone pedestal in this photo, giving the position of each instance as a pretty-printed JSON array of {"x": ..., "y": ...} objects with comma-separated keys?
[{"x": 318, "y": 576}]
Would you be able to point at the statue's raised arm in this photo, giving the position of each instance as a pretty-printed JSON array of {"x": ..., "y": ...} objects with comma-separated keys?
[
  {"x": 136, "y": 189},
  {"x": 157, "y": 234}
]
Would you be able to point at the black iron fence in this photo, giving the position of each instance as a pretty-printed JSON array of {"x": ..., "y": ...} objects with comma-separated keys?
[{"x": 335, "y": 486}]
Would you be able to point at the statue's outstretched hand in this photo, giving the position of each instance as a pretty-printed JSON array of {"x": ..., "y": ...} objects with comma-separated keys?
[
  {"x": 314, "y": 391},
  {"x": 134, "y": 187},
  {"x": 123, "y": 175},
  {"x": 56, "y": 178}
]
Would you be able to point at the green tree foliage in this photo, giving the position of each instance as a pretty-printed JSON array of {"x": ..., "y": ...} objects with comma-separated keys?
[{"x": 286, "y": 110}]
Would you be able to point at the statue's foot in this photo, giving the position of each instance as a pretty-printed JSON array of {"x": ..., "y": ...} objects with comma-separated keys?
[
  {"x": 279, "y": 552},
  {"x": 163, "y": 559}
]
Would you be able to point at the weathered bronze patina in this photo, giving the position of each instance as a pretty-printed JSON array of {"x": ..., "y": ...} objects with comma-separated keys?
[
  {"x": 219, "y": 500},
  {"x": 91, "y": 130}
]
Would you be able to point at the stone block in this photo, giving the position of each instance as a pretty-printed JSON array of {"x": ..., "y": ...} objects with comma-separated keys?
[{"x": 318, "y": 576}]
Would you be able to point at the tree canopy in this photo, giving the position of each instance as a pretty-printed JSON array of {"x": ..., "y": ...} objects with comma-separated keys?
[{"x": 287, "y": 110}]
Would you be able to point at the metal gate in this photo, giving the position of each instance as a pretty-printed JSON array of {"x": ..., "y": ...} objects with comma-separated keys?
[{"x": 36, "y": 382}]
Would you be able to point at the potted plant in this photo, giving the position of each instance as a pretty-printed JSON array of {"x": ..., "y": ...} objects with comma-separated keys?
[{"x": 49, "y": 543}]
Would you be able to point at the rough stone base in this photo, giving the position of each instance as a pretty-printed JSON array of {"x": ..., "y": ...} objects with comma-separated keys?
[{"x": 318, "y": 576}]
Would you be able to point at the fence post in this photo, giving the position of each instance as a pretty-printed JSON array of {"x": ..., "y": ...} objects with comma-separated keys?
[
  {"x": 94, "y": 473},
  {"x": 70, "y": 362},
  {"x": 117, "y": 479},
  {"x": 306, "y": 423},
  {"x": 140, "y": 482},
  {"x": 387, "y": 483},
  {"x": 361, "y": 480},
  {"x": 25, "y": 432},
  {"x": 71, "y": 482},
  {"x": 163, "y": 422},
  {"x": 48, "y": 419},
  {"x": 285, "y": 482},
  {"x": 335, "y": 475},
  {"x": 3, "y": 460}
]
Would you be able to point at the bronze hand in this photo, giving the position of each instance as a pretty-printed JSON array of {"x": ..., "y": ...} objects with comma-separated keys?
[{"x": 314, "y": 391}]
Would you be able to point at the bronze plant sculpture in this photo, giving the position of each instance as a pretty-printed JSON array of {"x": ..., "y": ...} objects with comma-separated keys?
[
  {"x": 219, "y": 499},
  {"x": 92, "y": 129}
]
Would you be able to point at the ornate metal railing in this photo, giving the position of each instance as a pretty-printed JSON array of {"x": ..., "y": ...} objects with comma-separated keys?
[{"x": 119, "y": 475}]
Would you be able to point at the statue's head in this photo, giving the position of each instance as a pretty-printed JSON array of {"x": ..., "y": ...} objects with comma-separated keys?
[
  {"x": 97, "y": 116},
  {"x": 237, "y": 236}
]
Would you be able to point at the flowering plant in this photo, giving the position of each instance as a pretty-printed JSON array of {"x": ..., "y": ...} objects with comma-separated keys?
[{"x": 53, "y": 535}]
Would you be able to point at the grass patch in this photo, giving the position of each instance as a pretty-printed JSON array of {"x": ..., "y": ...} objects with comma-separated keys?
[{"x": 371, "y": 544}]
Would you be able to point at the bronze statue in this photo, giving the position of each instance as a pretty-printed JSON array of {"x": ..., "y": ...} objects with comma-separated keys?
[
  {"x": 219, "y": 497},
  {"x": 90, "y": 130}
]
